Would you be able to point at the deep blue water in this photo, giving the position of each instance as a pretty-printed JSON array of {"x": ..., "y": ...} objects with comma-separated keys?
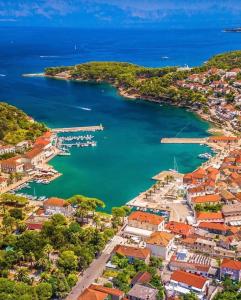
[{"x": 128, "y": 152}]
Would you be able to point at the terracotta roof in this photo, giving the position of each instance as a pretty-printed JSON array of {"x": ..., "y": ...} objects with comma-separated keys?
[
  {"x": 161, "y": 238},
  {"x": 53, "y": 201},
  {"x": 189, "y": 279},
  {"x": 141, "y": 277},
  {"x": 231, "y": 264},
  {"x": 90, "y": 294},
  {"x": 226, "y": 195},
  {"x": 34, "y": 226},
  {"x": 209, "y": 215},
  {"x": 107, "y": 290},
  {"x": 141, "y": 253},
  {"x": 145, "y": 217},
  {"x": 33, "y": 152},
  {"x": 213, "y": 226},
  {"x": 179, "y": 228},
  {"x": 13, "y": 161},
  {"x": 2, "y": 179},
  {"x": 206, "y": 199}
]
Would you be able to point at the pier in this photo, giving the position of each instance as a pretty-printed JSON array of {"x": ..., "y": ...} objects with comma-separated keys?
[
  {"x": 78, "y": 129},
  {"x": 184, "y": 140}
]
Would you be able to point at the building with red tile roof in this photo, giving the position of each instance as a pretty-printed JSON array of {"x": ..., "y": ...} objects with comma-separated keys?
[
  {"x": 216, "y": 217},
  {"x": 183, "y": 282},
  {"x": 231, "y": 268},
  {"x": 141, "y": 278},
  {"x": 146, "y": 221},
  {"x": 216, "y": 228},
  {"x": 190, "y": 262},
  {"x": 215, "y": 198},
  {"x": 179, "y": 228},
  {"x": 12, "y": 165},
  {"x": 115, "y": 294},
  {"x": 90, "y": 294},
  {"x": 160, "y": 244},
  {"x": 56, "y": 205},
  {"x": 133, "y": 253}
]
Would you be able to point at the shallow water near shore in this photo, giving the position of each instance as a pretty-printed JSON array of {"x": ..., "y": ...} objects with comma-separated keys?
[{"x": 128, "y": 153}]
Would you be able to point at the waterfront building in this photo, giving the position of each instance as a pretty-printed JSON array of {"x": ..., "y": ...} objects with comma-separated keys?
[
  {"x": 160, "y": 244},
  {"x": 230, "y": 268},
  {"x": 133, "y": 253},
  {"x": 34, "y": 157},
  {"x": 7, "y": 149},
  {"x": 12, "y": 165},
  {"x": 57, "y": 206},
  {"x": 146, "y": 221}
]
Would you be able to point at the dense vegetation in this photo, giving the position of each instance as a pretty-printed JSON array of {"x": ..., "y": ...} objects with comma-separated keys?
[
  {"x": 126, "y": 271},
  {"x": 154, "y": 83},
  {"x": 226, "y": 61},
  {"x": 45, "y": 264},
  {"x": 16, "y": 126}
]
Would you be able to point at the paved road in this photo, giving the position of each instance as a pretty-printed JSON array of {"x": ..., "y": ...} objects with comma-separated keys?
[{"x": 95, "y": 269}]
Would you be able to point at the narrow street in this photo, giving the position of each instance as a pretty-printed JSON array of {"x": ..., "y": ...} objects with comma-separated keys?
[{"x": 95, "y": 269}]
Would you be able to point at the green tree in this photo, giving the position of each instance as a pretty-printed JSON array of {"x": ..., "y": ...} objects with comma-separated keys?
[
  {"x": 44, "y": 291},
  {"x": 68, "y": 261}
]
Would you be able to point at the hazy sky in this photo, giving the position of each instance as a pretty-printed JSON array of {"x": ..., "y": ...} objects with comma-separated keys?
[{"x": 121, "y": 13}]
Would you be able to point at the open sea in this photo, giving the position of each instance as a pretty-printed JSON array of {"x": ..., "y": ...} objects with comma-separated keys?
[{"x": 129, "y": 152}]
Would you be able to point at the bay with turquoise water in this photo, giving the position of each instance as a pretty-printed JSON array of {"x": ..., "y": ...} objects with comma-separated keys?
[{"x": 129, "y": 152}]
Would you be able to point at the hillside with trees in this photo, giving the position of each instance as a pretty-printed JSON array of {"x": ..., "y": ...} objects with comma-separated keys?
[
  {"x": 147, "y": 83},
  {"x": 16, "y": 126}
]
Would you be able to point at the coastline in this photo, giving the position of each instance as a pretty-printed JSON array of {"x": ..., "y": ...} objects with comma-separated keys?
[
  {"x": 131, "y": 96},
  {"x": 214, "y": 125}
]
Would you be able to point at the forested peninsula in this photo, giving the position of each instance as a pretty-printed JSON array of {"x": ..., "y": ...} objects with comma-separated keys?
[{"x": 153, "y": 83}]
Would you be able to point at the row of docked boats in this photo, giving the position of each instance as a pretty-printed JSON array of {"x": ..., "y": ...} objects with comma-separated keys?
[
  {"x": 205, "y": 155},
  {"x": 30, "y": 197}
]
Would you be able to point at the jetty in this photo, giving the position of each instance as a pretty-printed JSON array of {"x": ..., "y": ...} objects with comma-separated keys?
[
  {"x": 78, "y": 129},
  {"x": 184, "y": 140}
]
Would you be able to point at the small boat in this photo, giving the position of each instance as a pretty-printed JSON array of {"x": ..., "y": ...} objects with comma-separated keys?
[{"x": 205, "y": 155}]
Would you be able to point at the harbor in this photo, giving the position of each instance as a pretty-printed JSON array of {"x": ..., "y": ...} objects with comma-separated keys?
[{"x": 65, "y": 143}]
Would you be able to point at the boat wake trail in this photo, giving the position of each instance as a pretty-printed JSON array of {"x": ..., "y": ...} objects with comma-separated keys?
[
  {"x": 48, "y": 56},
  {"x": 83, "y": 108},
  {"x": 2, "y": 75}
]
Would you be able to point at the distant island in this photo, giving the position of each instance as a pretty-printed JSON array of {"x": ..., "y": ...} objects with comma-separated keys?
[
  {"x": 238, "y": 29},
  {"x": 211, "y": 90}
]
